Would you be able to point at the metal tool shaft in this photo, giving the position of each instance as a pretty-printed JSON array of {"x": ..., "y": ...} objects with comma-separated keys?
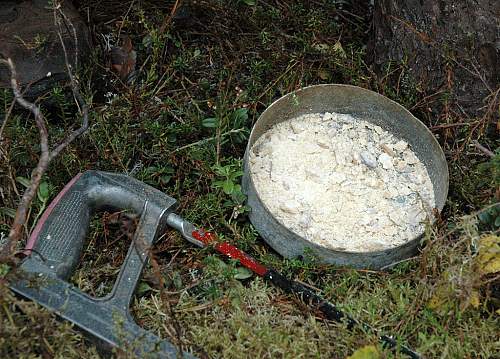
[{"x": 329, "y": 311}]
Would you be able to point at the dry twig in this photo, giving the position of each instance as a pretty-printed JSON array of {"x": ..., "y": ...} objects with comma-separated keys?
[
  {"x": 47, "y": 154},
  {"x": 168, "y": 20},
  {"x": 177, "y": 331},
  {"x": 6, "y": 118},
  {"x": 483, "y": 149}
]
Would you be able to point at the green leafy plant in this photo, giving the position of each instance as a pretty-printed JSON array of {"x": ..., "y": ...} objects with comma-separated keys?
[
  {"x": 490, "y": 172},
  {"x": 227, "y": 181},
  {"x": 4, "y": 269},
  {"x": 490, "y": 217},
  {"x": 210, "y": 122},
  {"x": 226, "y": 271},
  {"x": 233, "y": 126},
  {"x": 491, "y": 169},
  {"x": 239, "y": 119},
  {"x": 43, "y": 195},
  {"x": 155, "y": 175}
]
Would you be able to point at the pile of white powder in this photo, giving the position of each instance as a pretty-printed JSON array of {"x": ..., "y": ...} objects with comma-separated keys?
[{"x": 341, "y": 182}]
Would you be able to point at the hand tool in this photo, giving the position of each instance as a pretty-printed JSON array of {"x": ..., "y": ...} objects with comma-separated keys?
[
  {"x": 54, "y": 249},
  {"x": 329, "y": 311}
]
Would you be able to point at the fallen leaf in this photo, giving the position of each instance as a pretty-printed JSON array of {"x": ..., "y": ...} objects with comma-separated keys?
[
  {"x": 323, "y": 74},
  {"x": 339, "y": 50},
  {"x": 367, "y": 352},
  {"x": 123, "y": 58},
  {"x": 488, "y": 257},
  {"x": 474, "y": 299}
]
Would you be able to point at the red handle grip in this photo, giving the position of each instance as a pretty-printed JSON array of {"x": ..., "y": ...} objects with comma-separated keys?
[{"x": 231, "y": 251}]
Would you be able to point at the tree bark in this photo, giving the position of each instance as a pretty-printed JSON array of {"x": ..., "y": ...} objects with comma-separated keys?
[{"x": 449, "y": 47}]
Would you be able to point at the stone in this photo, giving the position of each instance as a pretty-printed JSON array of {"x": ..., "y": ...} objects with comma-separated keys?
[
  {"x": 400, "y": 146},
  {"x": 386, "y": 161},
  {"x": 387, "y": 149},
  {"x": 368, "y": 159},
  {"x": 290, "y": 207}
]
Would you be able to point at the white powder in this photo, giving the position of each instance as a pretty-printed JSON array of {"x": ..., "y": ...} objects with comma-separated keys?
[{"x": 342, "y": 183}]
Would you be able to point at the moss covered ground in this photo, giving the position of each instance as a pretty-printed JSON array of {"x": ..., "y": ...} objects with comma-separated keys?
[{"x": 181, "y": 125}]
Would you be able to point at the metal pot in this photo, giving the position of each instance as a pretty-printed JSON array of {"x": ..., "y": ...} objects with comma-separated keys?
[{"x": 365, "y": 105}]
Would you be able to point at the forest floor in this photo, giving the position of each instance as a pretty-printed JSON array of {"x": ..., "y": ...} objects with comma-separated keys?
[{"x": 182, "y": 124}]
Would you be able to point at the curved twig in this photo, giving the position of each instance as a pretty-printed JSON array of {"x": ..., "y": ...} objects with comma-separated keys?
[{"x": 46, "y": 154}]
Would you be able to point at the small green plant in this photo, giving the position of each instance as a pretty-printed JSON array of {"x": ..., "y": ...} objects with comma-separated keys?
[
  {"x": 491, "y": 169},
  {"x": 490, "y": 175},
  {"x": 265, "y": 37},
  {"x": 210, "y": 122},
  {"x": 233, "y": 126},
  {"x": 239, "y": 119},
  {"x": 227, "y": 180},
  {"x": 157, "y": 175},
  {"x": 58, "y": 96},
  {"x": 43, "y": 194},
  {"x": 216, "y": 268},
  {"x": 4, "y": 269},
  {"x": 490, "y": 217}
]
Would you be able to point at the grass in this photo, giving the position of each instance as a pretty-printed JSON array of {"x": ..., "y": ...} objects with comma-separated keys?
[{"x": 182, "y": 128}]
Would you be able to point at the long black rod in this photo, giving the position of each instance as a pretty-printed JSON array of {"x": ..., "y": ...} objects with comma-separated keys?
[
  {"x": 202, "y": 238},
  {"x": 330, "y": 311}
]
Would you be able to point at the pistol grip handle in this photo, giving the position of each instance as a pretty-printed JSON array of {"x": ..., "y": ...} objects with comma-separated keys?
[{"x": 60, "y": 233}]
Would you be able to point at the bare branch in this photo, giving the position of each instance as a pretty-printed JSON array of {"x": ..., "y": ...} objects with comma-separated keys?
[
  {"x": 6, "y": 117},
  {"x": 58, "y": 14},
  {"x": 46, "y": 155},
  {"x": 20, "y": 218},
  {"x": 483, "y": 149},
  {"x": 168, "y": 20}
]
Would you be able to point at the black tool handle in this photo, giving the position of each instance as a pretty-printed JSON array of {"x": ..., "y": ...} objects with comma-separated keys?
[{"x": 328, "y": 310}]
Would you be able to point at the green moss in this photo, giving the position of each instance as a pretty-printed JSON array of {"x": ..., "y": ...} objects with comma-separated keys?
[{"x": 228, "y": 62}]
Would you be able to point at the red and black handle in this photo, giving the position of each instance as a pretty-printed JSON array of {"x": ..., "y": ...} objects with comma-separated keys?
[{"x": 328, "y": 310}]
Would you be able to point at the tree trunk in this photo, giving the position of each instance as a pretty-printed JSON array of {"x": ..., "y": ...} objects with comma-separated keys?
[{"x": 450, "y": 48}]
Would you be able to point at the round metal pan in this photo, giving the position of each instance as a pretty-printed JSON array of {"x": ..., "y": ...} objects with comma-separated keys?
[{"x": 365, "y": 105}]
